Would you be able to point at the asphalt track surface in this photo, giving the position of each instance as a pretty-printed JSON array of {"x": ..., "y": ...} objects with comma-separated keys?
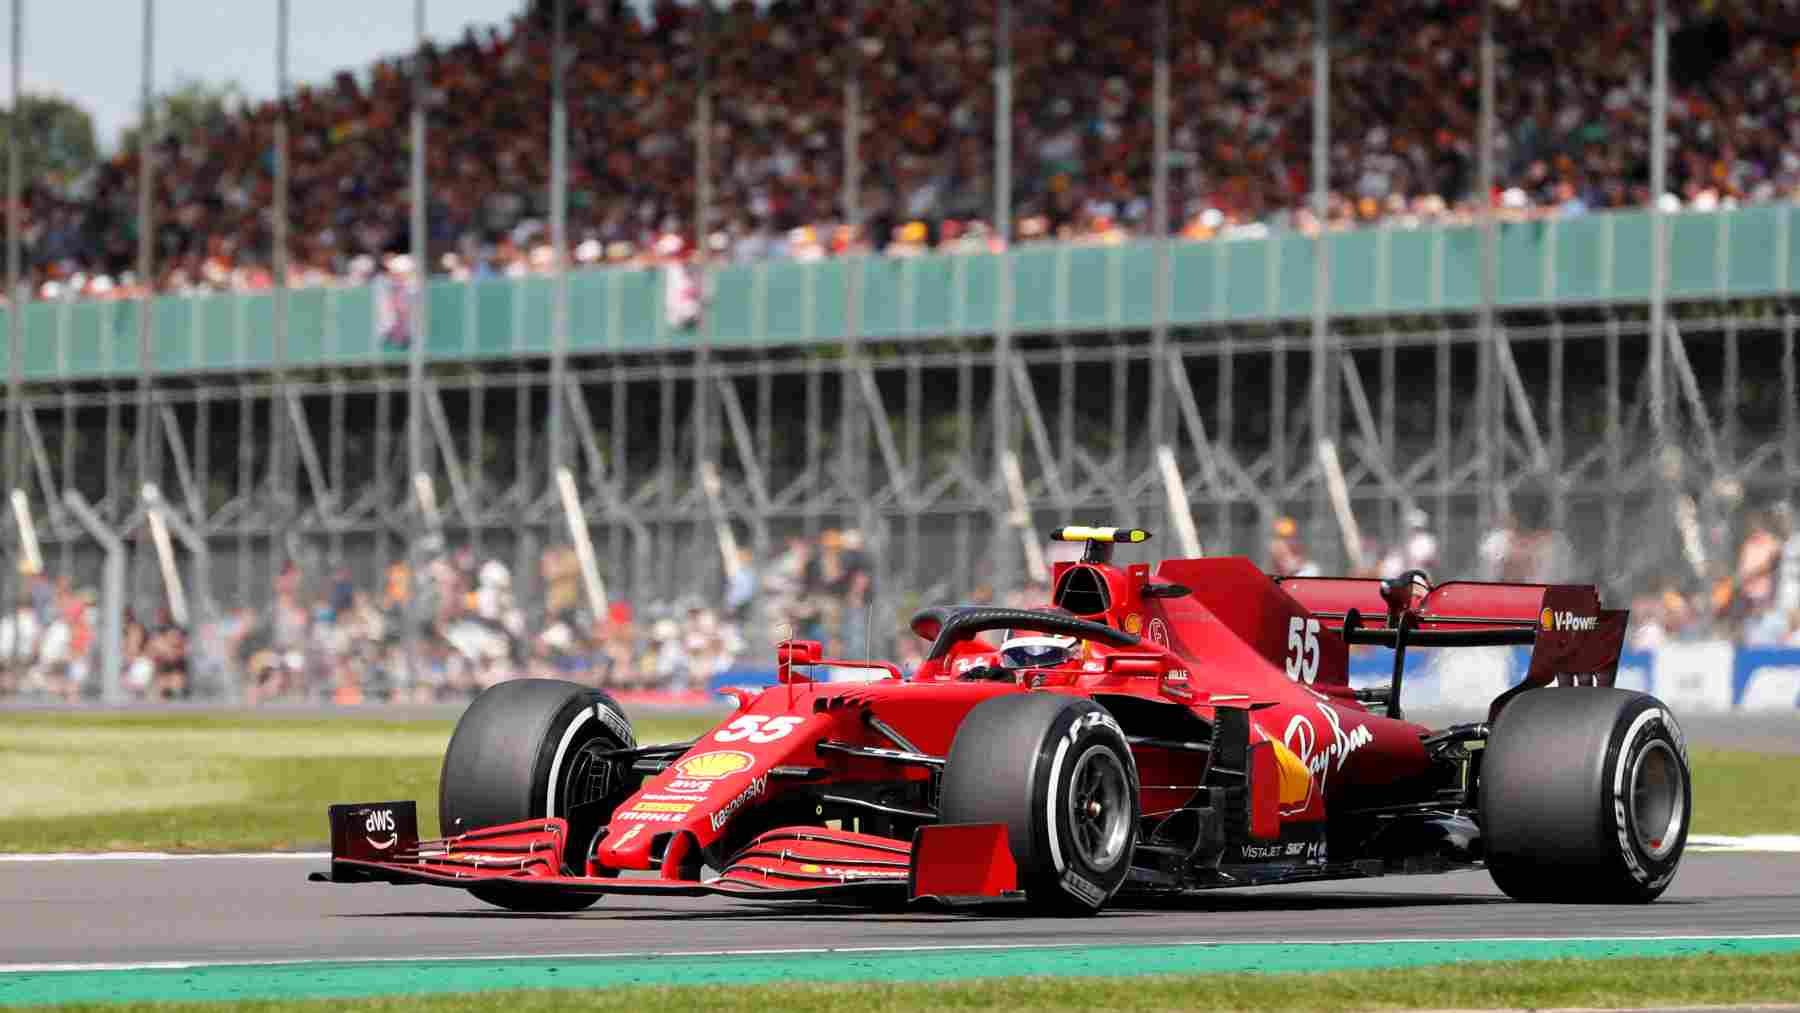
[{"x": 263, "y": 910}]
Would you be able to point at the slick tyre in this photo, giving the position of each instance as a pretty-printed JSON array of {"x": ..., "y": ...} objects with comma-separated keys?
[
  {"x": 1057, "y": 771},
  {"x": 527, "y": 749},
  {"x": 1585, "y": 797}
]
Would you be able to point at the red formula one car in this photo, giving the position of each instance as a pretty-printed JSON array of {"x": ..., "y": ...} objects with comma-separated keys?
[{"x": 1149, "y": 731}]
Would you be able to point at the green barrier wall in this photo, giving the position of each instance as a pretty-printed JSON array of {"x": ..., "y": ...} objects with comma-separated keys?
[{"x": 1590, "y": 259}]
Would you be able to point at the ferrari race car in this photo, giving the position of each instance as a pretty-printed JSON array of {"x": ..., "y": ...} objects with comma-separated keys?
[{"x": 1148, "y": 732}]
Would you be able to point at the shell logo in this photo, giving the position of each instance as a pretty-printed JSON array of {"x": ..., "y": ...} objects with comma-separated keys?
[
  {"x": 1295, "y": 781},
  {"x": 1547, "y": 618},
  {"x": 1134, "y": 623},
  {"x": 714, "y": 765},
  {"x": 811, "y": 868}
]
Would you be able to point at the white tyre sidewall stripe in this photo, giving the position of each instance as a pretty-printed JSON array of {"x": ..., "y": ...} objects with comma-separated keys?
[
  {"x": 562, "y": 749},
  {"x": 1062, "y": 750}
]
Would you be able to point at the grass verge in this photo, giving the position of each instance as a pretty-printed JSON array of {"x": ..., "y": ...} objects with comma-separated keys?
[
  {"x": 228, "y": 782},
  {"x": 1745, "y": 793},
  {"x": 215, "y": 782},
  {"x": 1662, "y": 981}
]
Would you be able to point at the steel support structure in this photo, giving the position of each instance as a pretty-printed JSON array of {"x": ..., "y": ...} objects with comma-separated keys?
[
  {"x": 1400, "y": 450},
  {"x": 16, "y": 294}
]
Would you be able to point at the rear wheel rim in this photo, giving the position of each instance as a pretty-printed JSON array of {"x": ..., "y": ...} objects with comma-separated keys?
[
  {"x": 1099, "y": 808},
  {"x": 1657, "y": 799}
]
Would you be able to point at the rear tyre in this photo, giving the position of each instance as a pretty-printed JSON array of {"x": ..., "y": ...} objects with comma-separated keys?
[
  {"x": 528, "y": 749},
  {"x": 1057, "y": 771},
  {"x": 1585, "y": 797}
]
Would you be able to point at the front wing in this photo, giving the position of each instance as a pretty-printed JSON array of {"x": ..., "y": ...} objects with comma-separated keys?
[
  {"x": 949, "y": 863},
  {"x": 795, "y": 863}
]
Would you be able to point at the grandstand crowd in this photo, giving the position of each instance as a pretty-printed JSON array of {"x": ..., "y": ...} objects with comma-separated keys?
[
  {"x": 1573, "y": 101},
  {"x": 446, "y": 625}
]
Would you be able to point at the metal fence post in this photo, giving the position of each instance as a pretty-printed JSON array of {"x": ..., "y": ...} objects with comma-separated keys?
[
  {"x": 1005, "y": 554},
  {"x": 415, "y": 375},
  {"x": 559, "y": 235},
  {"x": 146, "y": 253},
  {"x": 1161, "y": 432},
  {"x": 1490, "y": 407},
  {"x": 703, "y": 196},
  {"x": 1659, "y": 252},
  {"x": 15, "y": 292},
  {"x": 1323, "y": 362},
  {"x": 283, "y": 507}
]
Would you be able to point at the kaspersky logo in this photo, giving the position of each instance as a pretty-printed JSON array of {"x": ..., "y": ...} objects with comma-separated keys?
[
  {"x": 1568, "y": 622},
  {"x": 756, "y": 787}
]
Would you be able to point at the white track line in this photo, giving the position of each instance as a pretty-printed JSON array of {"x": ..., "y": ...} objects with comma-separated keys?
[
  {"x": 801, "y": 951},
  {"x": 165, "y": 856},
  {"x": 1783, "y": 843}
]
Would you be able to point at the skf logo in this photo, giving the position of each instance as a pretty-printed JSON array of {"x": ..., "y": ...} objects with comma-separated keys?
[
  {"x": 380, "y": 821},
  {"x": 1569, "y": 622},
  {"x": 714, "y": 765}
]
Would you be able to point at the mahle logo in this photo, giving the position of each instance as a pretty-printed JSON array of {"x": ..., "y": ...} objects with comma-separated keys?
[{"x": 714, "y": 765}]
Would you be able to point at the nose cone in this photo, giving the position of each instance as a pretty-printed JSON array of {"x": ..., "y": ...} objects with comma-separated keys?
[{"x": 701, "y": 793}]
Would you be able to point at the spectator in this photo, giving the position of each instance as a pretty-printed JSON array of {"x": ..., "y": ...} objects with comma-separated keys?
[
  {"x": 1287, "y": 552},
  {"x": 19, "y": 635},
  {"x": 1573, "y": 138},
  {"x": 1417, "y": 550}
]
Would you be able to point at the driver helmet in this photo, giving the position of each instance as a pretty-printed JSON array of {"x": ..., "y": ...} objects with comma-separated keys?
[{"x": 1036, "y": 650}]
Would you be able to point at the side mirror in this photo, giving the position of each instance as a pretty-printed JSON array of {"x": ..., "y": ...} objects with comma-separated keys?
[{"x": 789, "y": 653}]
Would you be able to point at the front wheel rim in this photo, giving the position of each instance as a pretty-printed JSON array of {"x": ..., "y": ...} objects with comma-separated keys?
[
  {"x": 592, "y": 780},
  {"x": 1099, "y": 808}
]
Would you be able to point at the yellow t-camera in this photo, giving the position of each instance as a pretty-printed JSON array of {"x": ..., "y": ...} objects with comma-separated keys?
[{"x": 1077, "y": 533}]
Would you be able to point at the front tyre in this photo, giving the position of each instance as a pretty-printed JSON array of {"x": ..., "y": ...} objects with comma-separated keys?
[
  {"x": 1057, "y": 771},
  {"x": 1586, "y": 797},
  {"x": 530, "y": 749}
]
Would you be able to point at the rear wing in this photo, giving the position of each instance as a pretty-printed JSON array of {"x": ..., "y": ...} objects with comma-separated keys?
[{"x": 1573, "y": 640}]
